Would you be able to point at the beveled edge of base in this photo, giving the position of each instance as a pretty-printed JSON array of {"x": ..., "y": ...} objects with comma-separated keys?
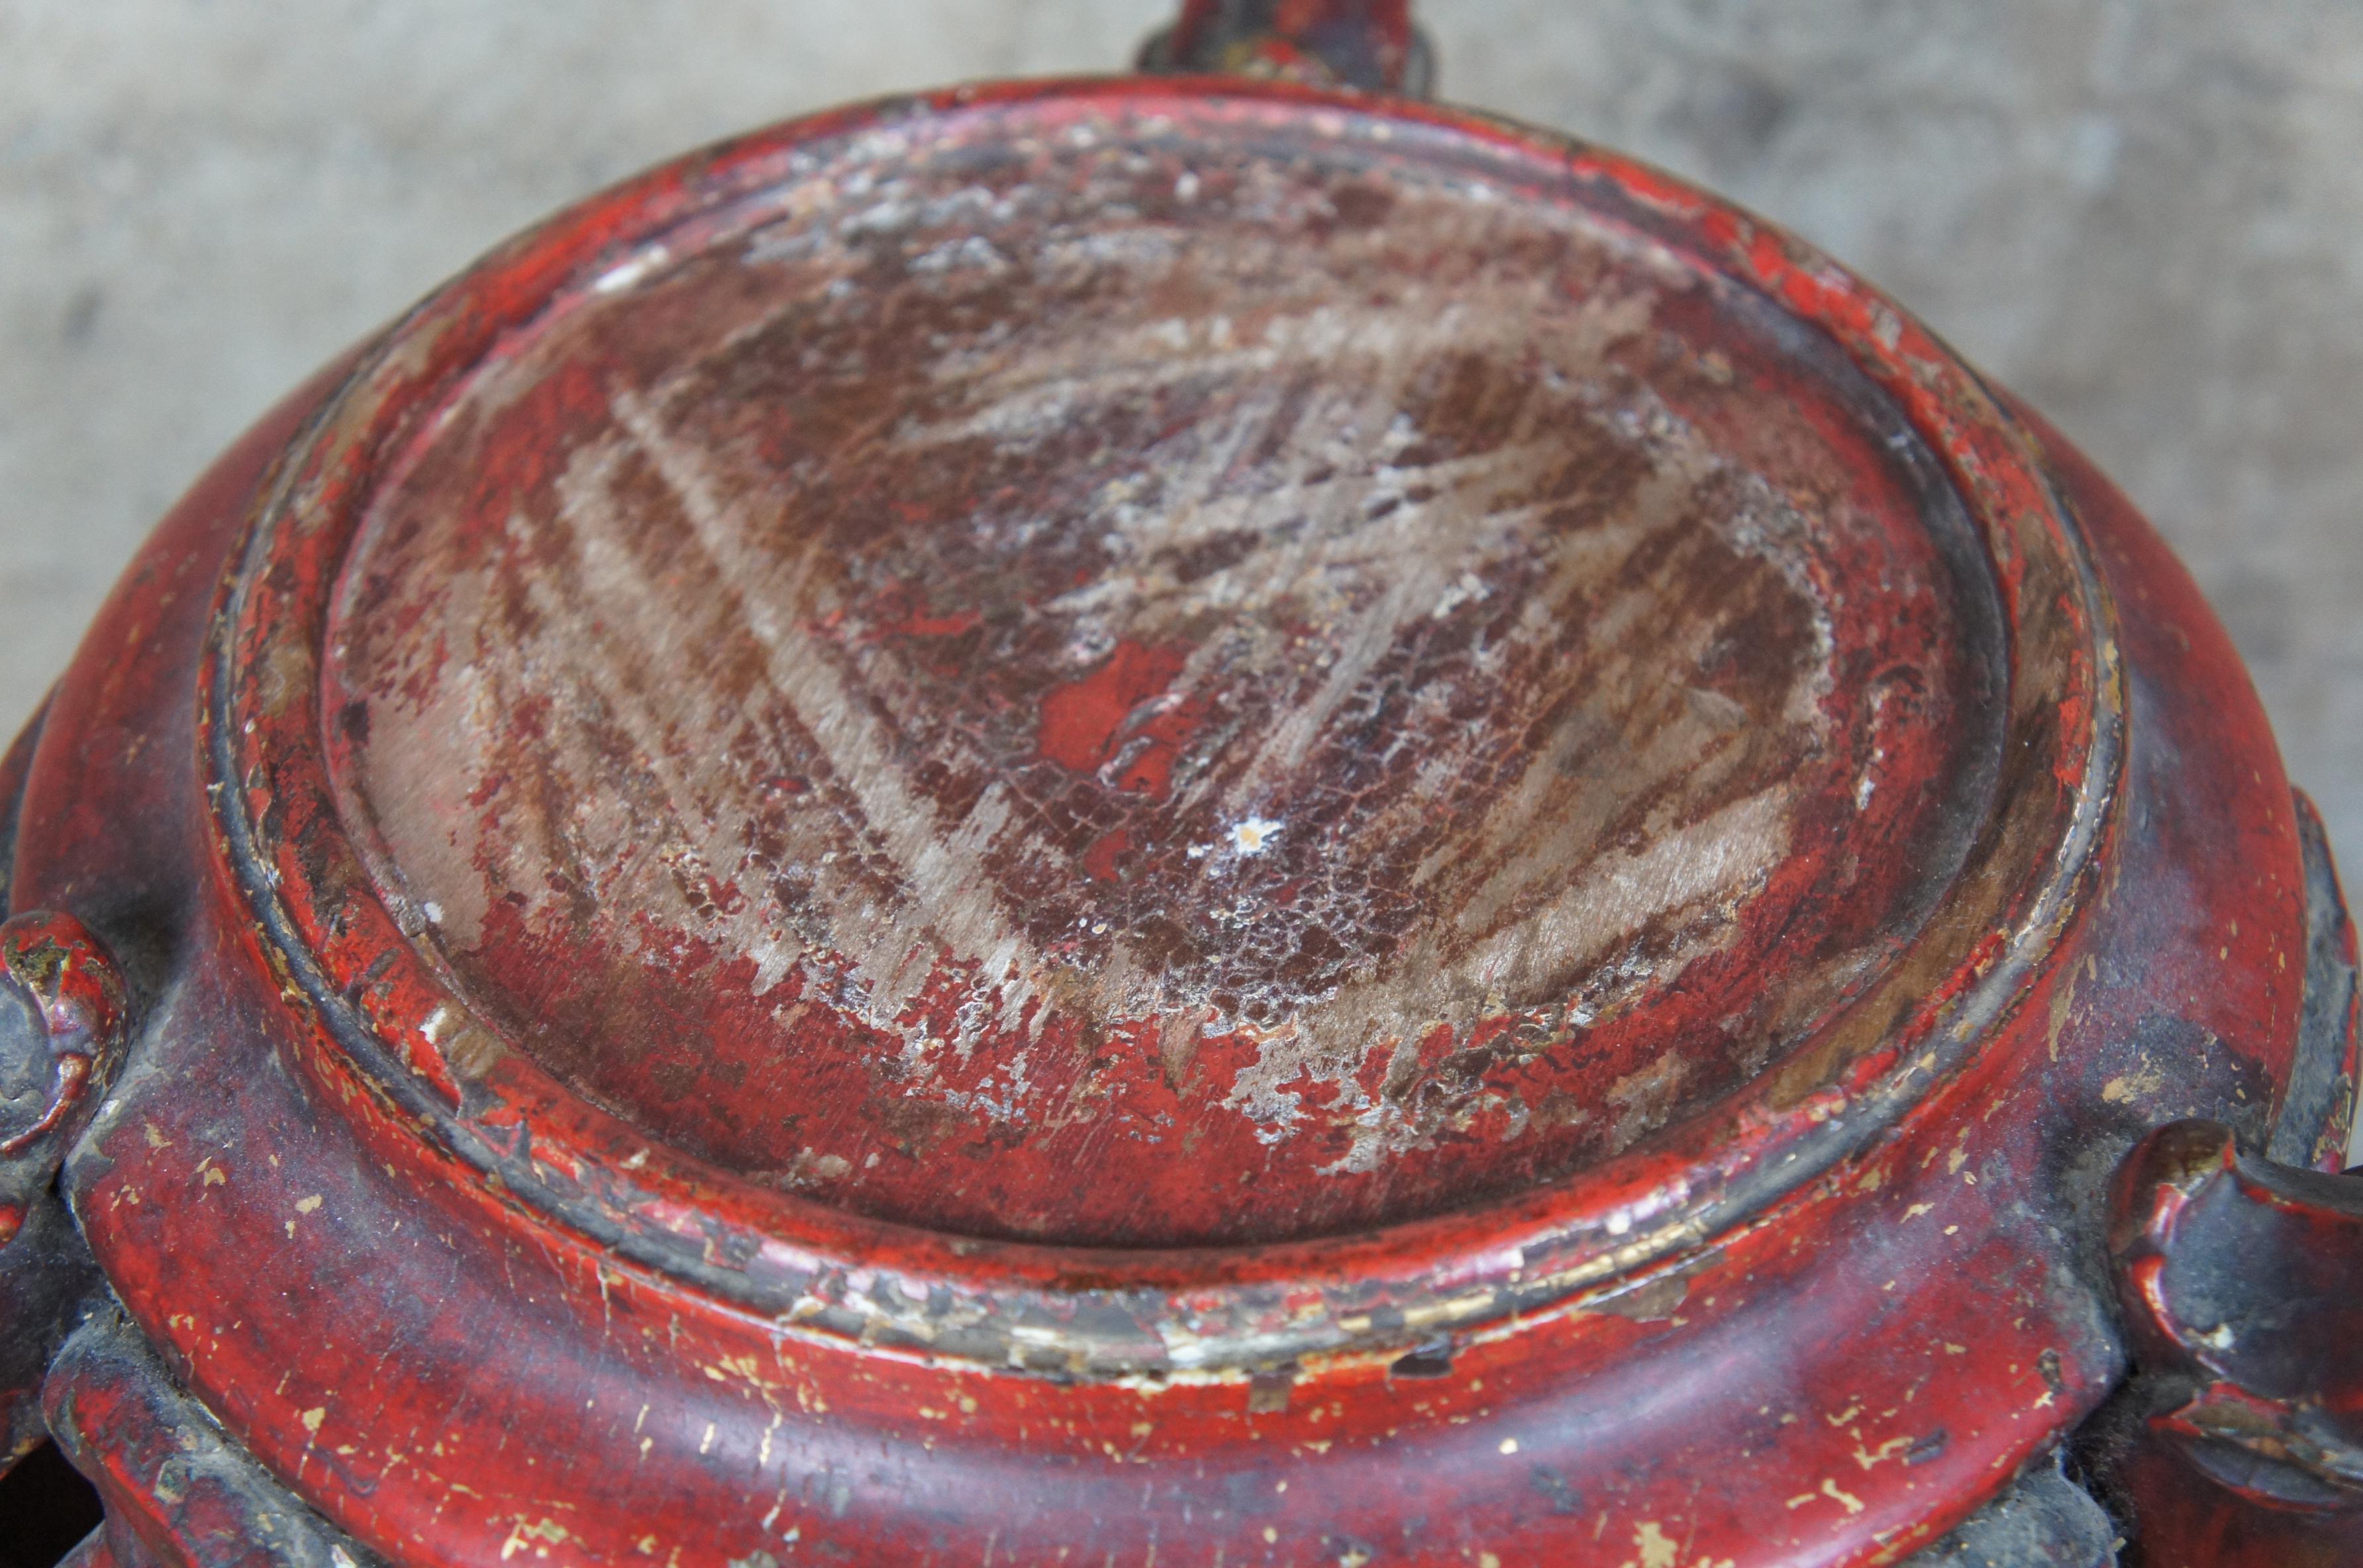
[{"x": 384, "y": 1024}]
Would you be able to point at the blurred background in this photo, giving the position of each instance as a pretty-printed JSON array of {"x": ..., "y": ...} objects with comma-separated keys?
[{"x": 2146, "y": 216}]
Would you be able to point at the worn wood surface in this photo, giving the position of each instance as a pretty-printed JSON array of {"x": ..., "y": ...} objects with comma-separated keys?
[{"x": 1171, "y": 697}]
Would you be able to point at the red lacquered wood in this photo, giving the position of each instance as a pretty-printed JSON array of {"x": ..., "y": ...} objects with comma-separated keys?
[
  {"x": 529, "y": 1151},
  {"x": 2239, "y": 1286}
]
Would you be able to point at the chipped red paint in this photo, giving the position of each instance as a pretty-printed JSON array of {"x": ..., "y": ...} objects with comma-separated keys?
[
  {"x": 74, "y": 996},
  {"x": 2238, "y": 1280},
  {"x": 546, "y": 869},
  {"x": 1116, "y": 717}
]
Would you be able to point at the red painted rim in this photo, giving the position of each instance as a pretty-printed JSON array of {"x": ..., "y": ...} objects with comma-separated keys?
[{"x": 388, "y": 1026}]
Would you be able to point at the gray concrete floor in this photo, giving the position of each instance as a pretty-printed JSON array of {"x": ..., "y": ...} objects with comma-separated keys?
[{"x": 2147, "y": 216}]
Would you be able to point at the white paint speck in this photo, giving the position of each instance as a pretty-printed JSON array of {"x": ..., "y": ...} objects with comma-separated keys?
[
  {"x": 1250, "y": 837},
  {"x": 623, "y": 276},
  {"x": 1509, "y": 1445},
  {"x": 1467, "y": 586},
  {"x": 434, "y": 912}
]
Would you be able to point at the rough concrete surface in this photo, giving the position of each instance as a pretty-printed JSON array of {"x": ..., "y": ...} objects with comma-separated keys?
[{"x": 2147, "y": 216}]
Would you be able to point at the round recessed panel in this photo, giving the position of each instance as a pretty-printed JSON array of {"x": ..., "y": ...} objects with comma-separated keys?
[{"x": 1164, "y": 689}]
